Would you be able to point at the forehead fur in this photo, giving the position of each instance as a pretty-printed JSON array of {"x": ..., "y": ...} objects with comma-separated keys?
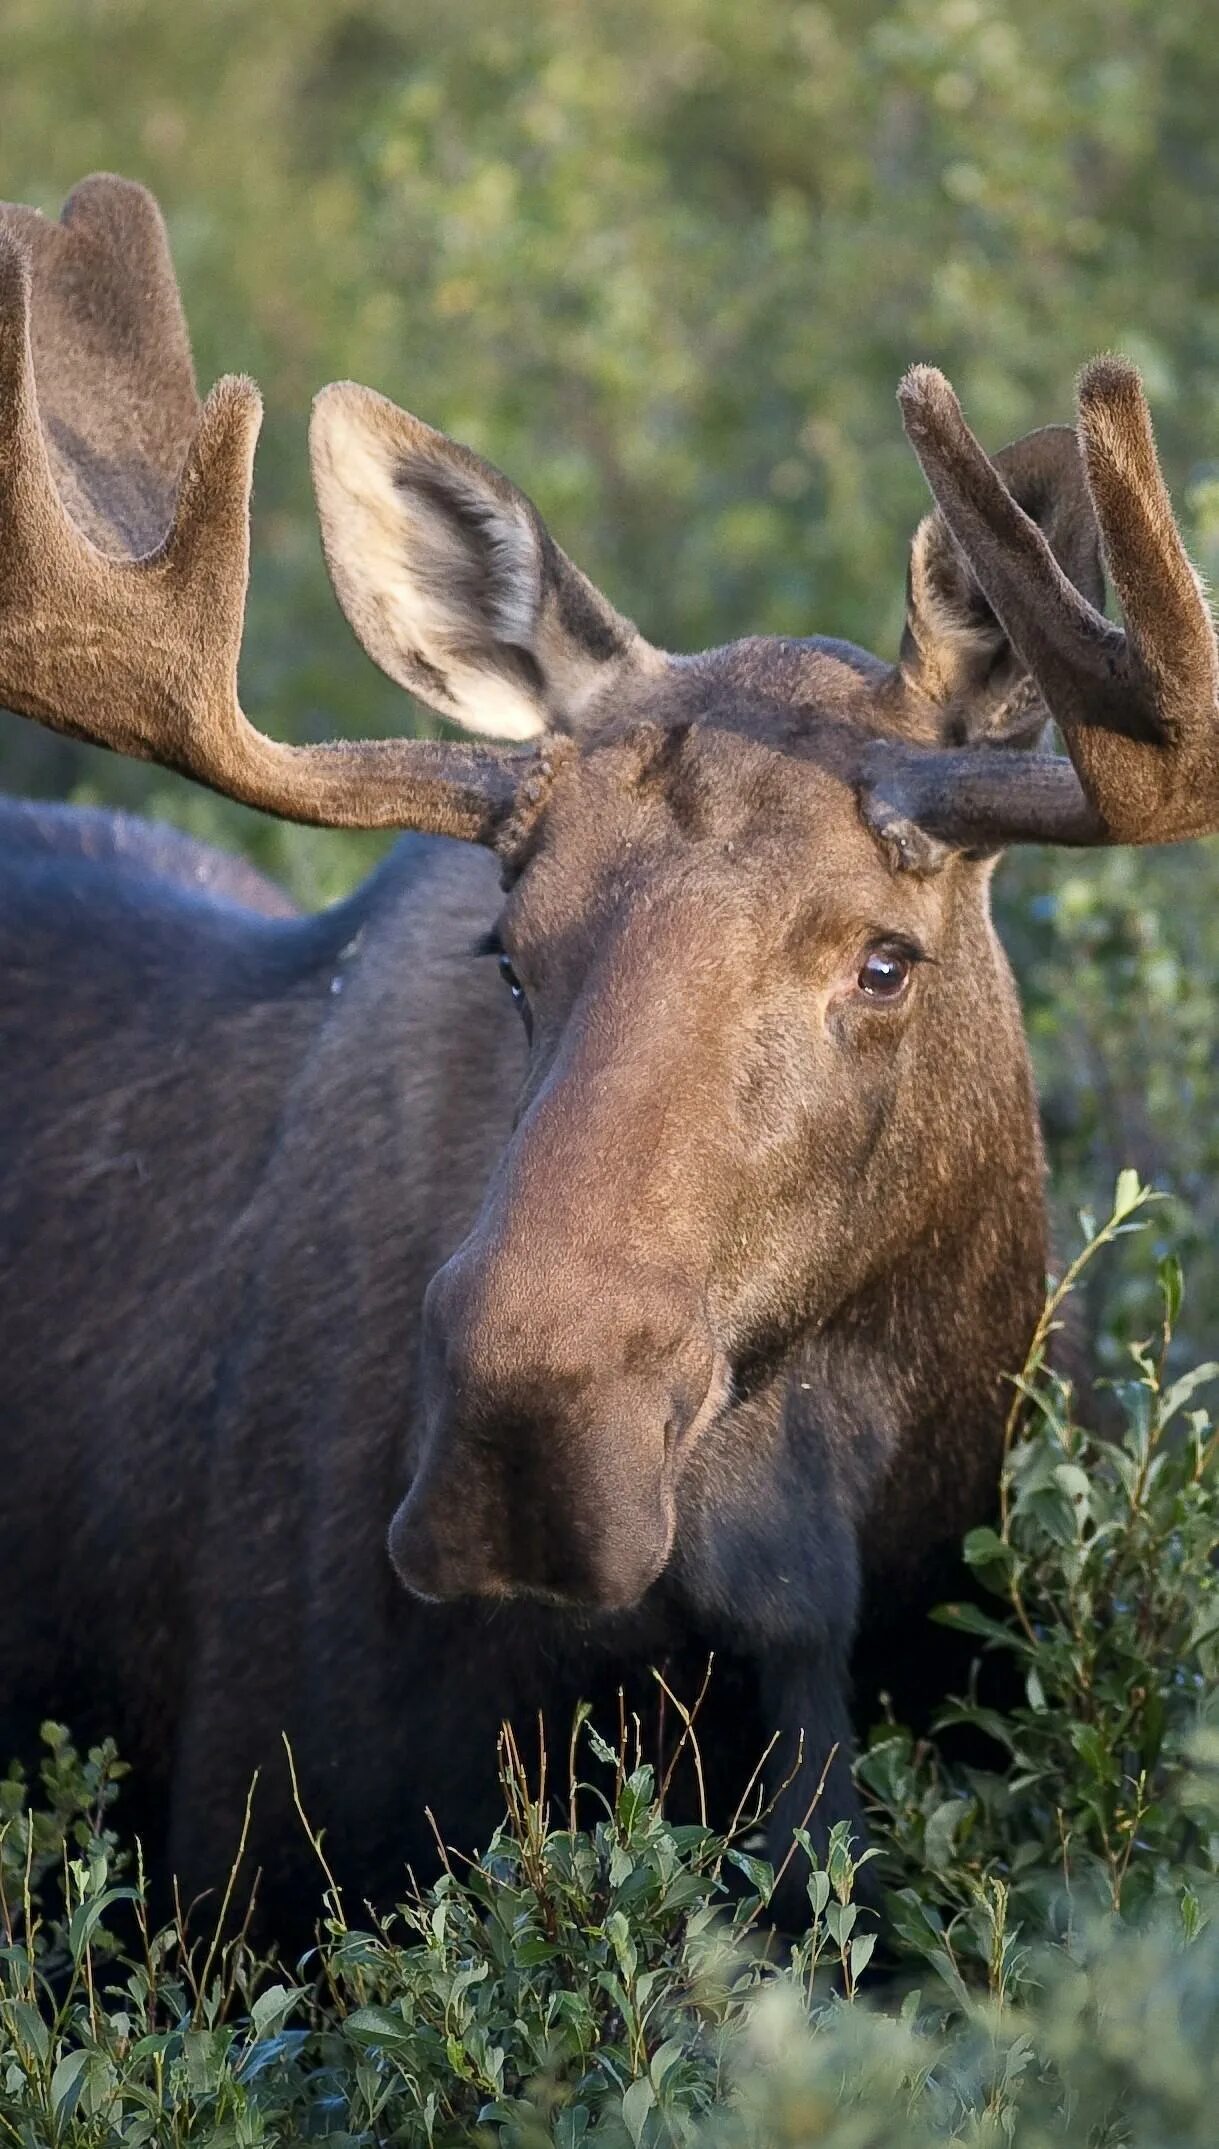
[
  {"x": 767, "y": 733},
  {"x": 775, "y": 689},
  {"x": 720, "y": 736},
  {"x": 738, "y": 821},
  {"x": 760, "y": 743}
]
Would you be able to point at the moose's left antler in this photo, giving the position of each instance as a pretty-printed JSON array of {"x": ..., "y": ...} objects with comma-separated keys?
[{"x": 1139, "y": 708}]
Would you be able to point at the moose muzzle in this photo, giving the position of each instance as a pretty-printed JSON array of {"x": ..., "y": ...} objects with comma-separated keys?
[{"x": 559, "y": 1401}]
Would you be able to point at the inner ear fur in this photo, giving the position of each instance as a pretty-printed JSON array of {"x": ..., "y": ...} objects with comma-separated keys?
[
  {"x": 450, "y": 579},
  {"x": 966, "y": 685}
]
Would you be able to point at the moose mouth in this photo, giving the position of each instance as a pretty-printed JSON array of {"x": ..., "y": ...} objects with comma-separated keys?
[{"x": 503, "y": 1521}]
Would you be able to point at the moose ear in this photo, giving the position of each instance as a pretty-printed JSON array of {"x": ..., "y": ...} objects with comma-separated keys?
[
  {"x": 450, "y": 578},
  {"x": 967, "y": 686}
]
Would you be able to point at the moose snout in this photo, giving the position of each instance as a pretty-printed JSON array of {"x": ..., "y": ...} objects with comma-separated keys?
[
  {"x": 556, "y": 1418},
  {"x": 450, "y": 1540}
]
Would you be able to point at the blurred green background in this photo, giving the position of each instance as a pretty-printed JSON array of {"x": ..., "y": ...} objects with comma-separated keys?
[{"x": 665, "y": 261}]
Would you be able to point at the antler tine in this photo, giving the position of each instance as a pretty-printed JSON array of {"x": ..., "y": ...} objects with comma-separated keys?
[
  {"x": 1160, "y": 593},
  {"x": 1136, "y": 709},
  {"x": 20, "y": 442},
  {"x": 1069, "y": 647},
  {"x": 135, "y": 645}
]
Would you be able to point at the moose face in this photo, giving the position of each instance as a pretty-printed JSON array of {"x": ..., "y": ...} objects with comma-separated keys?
[{"x": 739, "y": 1008}]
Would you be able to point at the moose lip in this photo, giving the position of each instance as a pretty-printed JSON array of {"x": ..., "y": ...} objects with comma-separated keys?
[
  {"x": 587, "y": 1610},
  {"x": 577, "y": 1609}
]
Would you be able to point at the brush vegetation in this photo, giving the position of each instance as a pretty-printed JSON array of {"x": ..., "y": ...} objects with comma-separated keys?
[{"x": 1043, "y": 1966}]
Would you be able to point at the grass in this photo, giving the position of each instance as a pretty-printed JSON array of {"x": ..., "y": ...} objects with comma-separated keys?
[{"x": 1045, "y": 1966}]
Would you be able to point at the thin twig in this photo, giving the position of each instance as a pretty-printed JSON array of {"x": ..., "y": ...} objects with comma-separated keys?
[
  {"x": 229, "y": 1886},
  {"x": 756, "y": 1816},
  {"x": 687, "y": 1716}
]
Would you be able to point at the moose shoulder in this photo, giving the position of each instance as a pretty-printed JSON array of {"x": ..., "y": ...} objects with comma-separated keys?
[{"x": 603, "y": 1240}]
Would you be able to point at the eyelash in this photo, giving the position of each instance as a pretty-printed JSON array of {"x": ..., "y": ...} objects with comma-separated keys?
[{"x": 491, "y": 944}]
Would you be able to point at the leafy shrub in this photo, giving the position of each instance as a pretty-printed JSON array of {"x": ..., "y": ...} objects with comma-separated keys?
[
  {"x": 1106, "y": 1593},
  {"x": 1046, "y": 1964}
]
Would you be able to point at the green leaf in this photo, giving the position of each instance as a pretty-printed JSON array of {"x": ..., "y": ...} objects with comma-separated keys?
[
  {"x": 1181, "y": 1390},
  {"x": 939, "y": 1835},
  {"x": 1127, "y": 1194},
  {"x": 665, "y": 2057},
  {"x": 529, "y": 1953},
  {"x": 1172, "y": 1287},
  {"x": 66, "y": 2083},
  {"x": 618, "y": 1928},
  {"x": 818, "y": 1891},
  {"x": 970, "y": 1619},
  {"x": 30, "y": 2027},
  {"x": 637, "y": 2101},
  {"x": 571, "y": 2126},
  {"x": 88, "y": 1915},
  {"x": 378, "y": 2025},
  {"x": 757, "y": 1871},
  {"x": 272, "y": 2008},
  {"x": 984, "y": 1548},
  {"x": 1074, "y": 1481},
  {"x": 840, "y": 1920},
  {"x": 603, "y": 1752},
  {"x": 1091, "y": 1748}
]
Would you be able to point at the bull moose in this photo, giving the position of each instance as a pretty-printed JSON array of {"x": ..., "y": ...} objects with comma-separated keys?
[{"x": 602, "y": 1240}]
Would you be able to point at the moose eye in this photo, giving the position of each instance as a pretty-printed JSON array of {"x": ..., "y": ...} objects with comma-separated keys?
[
  {"x": 511, "y": 980},
  {"x": 491, "y": 944},
  {"x": 885, "y": 973}
]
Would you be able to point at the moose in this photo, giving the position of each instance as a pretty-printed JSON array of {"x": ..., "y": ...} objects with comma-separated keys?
[{"x": 605, "y": 1240}]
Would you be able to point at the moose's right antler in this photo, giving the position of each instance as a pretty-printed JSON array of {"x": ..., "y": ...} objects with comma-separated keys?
[
  {"x": 1139, "y": 709},
  {"x": 124, "y": 538}
]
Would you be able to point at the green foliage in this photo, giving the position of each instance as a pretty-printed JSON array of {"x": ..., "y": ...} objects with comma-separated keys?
[
  {"x": 569, "y": 1982},
  {"x": 1045, "y": 1966},
  {"x": 1106, "y": 1607},
  {"x": 63, "y": 1833}
]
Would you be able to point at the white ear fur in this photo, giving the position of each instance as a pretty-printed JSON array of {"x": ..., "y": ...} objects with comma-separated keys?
[
  {"x": 951, "y": 640},
  {"x": 436, "y": 561}
]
